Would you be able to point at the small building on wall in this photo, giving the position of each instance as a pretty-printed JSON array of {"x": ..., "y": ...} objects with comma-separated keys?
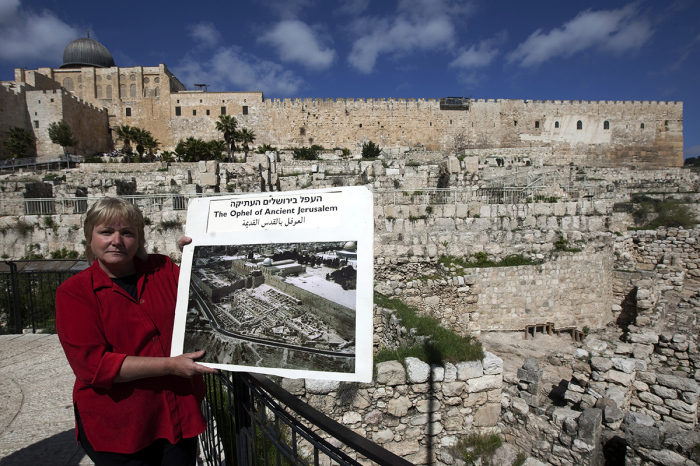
[{"x": 593, "y": 133}]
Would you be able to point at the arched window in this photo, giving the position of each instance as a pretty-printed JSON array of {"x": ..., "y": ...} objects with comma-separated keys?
[
  {"x": 108, "y": 91},
  {"x": 132, "y": 91},
  {"x": 122, "y": 91},
  {"x": 157, "y": 91},
  {"x": 80, "y": 78},
  {"x": 606, "y": 125},
  {"x": 556, "y": 124},
  {"x": 132, "y": 77},
  {"x": 537, "y": 124},
  {"x": 99, "y": 92},
  {"x": 641, "y": 126},
  {"x": 68, "y": 84},
  {"x": 579, "y": 124}
]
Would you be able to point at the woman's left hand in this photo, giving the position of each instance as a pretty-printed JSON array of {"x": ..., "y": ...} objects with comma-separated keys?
[{"x": 182, "y": 242}]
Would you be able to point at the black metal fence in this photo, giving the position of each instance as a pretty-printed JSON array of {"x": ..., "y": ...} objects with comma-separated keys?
[
  {"x": 28, "y": 293},
  {"x": 253, "y": 421}
]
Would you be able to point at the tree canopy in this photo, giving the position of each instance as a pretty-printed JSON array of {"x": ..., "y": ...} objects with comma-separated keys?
[
  {"x": 17, "y": 142},
  {"x": 61, "y": 134}
]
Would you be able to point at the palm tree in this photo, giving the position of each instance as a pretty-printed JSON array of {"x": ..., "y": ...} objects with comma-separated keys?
[
  {"x": 216, "y": 149},
  {"x": 246, "y": 136},
  {"x": 127, "y": 134},
  {"x": 227, "y": 125}
]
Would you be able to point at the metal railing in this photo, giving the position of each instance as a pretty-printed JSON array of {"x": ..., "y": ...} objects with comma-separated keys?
[
  {"x": 78, "y": 205},
  {"x": 28, "y": 293},
  {"x": 253, "y": 421},
  {"x": 35, "y": 162}
]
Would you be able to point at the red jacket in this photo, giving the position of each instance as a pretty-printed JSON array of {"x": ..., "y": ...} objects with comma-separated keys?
[{"x": 99, "y": 324}]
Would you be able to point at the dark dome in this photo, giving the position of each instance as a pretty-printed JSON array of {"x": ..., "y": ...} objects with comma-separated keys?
[{"x": 86, "y": 52}]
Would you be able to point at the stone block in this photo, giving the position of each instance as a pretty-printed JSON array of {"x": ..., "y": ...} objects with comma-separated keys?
[
  {"x": 487, "y": 415},
  {"x": 391, "y": 373},
  {"x": 417, "y": 371},
  {"x": 398, "y": 407},
  {"x": 492, "y": 364},
  {"x": 638, "y": 435},
  {"x": 601, "y": 364},
  {"x": 451, "y": 389},
  {"x": 469, "y": 369},
  {"x": 624, "y": 365},
  {"x": 620, "y": 378},
  {"x": 484, "y": 383},
  {"x": 664, "y": 392},
  {"x": 590, "y": 426},
  {"x": 321, "y": 387}
]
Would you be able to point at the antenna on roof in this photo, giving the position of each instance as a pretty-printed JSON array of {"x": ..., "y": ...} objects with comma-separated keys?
[{"x": 200, "y": 86}]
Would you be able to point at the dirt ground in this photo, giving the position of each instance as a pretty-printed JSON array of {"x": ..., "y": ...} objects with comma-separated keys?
[{"x": 554, "y": 354}]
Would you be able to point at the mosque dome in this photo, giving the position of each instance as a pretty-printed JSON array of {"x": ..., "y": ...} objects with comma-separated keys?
[
  {"x": 86, "y": 52},
  {"x": 267, "y": 262},
  {"x": 350, "y": 246}
]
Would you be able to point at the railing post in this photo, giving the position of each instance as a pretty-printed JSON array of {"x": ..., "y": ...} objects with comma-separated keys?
[
  {"x": 244, "y": 432},
  {"x": 15, "y": 296}
]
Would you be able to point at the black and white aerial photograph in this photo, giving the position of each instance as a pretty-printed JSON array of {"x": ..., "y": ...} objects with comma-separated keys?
[{"x": 275, "y": 305}]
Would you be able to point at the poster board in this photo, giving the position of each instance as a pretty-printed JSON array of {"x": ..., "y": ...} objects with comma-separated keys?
[{"x": 280, "y": 283}]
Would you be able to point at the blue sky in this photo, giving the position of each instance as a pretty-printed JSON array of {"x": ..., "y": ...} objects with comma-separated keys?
[{"x": 596, "y": 50}]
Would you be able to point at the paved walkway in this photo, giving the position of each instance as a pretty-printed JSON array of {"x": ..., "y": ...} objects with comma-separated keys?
[{"x": 36, "y": 411}]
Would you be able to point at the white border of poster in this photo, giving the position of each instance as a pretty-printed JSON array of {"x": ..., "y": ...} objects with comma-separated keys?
[{"x": 323, "y": 216}]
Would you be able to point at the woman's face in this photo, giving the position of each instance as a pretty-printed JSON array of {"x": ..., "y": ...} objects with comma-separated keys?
[{"x": 114, "y": 245}]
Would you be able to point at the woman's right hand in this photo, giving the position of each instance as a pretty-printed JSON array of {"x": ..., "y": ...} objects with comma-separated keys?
[{"x": 184, "y": 365}]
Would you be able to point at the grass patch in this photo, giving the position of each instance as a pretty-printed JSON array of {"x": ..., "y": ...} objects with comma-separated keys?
[
  {"x": 562, "y": 245},
  {"x": 170, "y": 225},
  {"x": 651, "y": 213},
  {"x": 481, "y": 260},
  {"x": 479, "y": 448},
  {"x": 442, "y": 344},
  {"x": 64, "y": 254},
  {"x": 23, "y": 228}
]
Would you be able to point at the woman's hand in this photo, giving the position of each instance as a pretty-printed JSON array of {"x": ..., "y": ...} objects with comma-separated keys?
[
  {"x": 141, "y": 367},
  {"x": 184, "y": 365},
  {"x": 182, "y": 242}
]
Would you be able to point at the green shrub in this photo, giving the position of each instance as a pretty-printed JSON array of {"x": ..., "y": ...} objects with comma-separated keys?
[
  {"x": 170, "y": 224},
  {"x": 482, "y": 260},
  {"x": 651, "y": 213},
  {"x": 562, "y": 245},
  {"x": 305, "y": 153},
  {"x": 442, "y": 344},
  {"x": 479, "y": 448},
  {"x": 370, "y": 150}
]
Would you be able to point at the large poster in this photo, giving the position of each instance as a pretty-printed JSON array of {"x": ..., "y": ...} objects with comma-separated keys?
[{"x": 280, "y": 283}]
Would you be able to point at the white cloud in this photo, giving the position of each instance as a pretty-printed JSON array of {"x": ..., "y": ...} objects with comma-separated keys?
[
  {"x": 614, "y": 31},
  {"x": 28, "y": 37},
  {"x": 417, "y": 26},
  {"x": 205, "y": 33},
  {"x": 230, "y": 67},
  {"x": 296, "y": 42},
  {"x": 479, "y": 55}
]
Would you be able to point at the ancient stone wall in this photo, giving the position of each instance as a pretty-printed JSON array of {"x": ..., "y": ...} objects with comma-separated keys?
[
  {"x": 604, "y": 133},
  {"x": 13, "y": 113}
]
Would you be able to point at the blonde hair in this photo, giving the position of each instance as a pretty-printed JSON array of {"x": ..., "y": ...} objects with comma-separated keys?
[{"x": 110, "y": 209}]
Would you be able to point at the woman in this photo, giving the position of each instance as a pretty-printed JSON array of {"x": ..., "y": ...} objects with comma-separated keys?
[{"x": 133, "y": 403}]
